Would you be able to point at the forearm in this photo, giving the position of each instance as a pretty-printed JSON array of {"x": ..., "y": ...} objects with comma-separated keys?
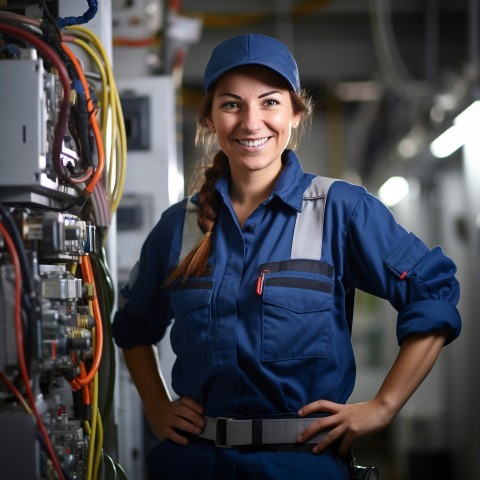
[
  {"x": 414, "y": 361},
  {"x": 142, "y": 363},
  {"x": 165, "y": 417}
]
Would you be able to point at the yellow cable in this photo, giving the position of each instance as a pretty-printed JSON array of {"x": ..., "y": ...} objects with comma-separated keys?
[
  {"x": 86, "y": 427},
  {"x": 123, "y": 157},
  {"x": 118, "y": 188},
  {"x": 93, "y": 39},
  {"x": 98, "y": 452},
  {"x": 73, "y": 268},
  {"x": 93, "y": 425},
  {"x": 117, "y": 120}
]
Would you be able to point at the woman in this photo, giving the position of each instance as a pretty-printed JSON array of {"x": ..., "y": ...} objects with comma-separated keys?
[{"x": 262, "y": 304}]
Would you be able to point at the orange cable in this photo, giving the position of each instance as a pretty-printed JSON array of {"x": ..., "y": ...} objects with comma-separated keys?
[
  {"x": 21, "y": 355},
  {"x": 85, "y": 388},
  {"x": 134, "y": 42},
  {"x": 88, "y": 277},
  {"x": 93, "y": 122}
]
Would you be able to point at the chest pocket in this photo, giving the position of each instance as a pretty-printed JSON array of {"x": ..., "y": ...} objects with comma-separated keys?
[
  {"x": 297, "y": 299},
  {"x": 297, "y": 293},
  {"x": 191, "y": 304}
]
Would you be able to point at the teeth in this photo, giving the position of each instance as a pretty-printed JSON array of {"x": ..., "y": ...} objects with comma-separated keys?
[{"x": 253, "y": 143}]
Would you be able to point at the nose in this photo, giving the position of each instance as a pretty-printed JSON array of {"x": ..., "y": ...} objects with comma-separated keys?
[{"x": 251, "y": 119}]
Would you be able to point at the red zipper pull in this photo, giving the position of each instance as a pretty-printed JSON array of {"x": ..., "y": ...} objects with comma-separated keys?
[{"x": 260, "y": 281}]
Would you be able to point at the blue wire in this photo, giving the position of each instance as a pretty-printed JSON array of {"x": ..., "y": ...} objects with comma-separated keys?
[{"x": 86, "y": 17}]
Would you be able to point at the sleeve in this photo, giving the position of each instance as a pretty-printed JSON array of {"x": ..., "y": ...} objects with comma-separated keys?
[
  {"x": 385, "y": 260},
  {"x": 145, "y": 311}
]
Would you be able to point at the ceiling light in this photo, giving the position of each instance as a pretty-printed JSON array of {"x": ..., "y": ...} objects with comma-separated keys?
[
  {"x": 447, "y": 143},
  {"x": 454, "y": 138},
  {"x": 393, "y": 191}
]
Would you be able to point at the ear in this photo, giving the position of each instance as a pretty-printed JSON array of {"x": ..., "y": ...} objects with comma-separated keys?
[
  {"x": 211, "y": 125},
  {"x": 296, "y": 120}
]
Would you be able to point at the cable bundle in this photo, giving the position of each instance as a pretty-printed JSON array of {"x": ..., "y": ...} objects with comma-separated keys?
[
  {"x": 94, "y": 120},
  {"x": 51, "y": 45}
]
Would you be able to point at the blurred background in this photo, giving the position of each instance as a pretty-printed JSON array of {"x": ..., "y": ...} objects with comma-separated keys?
[{"x": 397, "y": 84}]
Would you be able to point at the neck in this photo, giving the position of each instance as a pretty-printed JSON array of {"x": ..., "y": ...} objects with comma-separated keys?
[{"x": 249, "y": 189}]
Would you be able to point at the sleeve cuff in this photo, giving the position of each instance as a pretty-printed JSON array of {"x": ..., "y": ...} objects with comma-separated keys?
[{"x": 425, "y": 316}]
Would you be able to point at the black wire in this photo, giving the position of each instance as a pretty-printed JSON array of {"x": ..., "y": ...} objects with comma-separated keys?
[
  {"x": 80, "y": 127},
  {"x": 49, "y": 16},
  {"x": 12, "y": 229},
  {"x": 51, "y": 38}
]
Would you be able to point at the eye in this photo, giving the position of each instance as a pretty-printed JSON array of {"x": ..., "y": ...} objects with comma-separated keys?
[
  {"x": 229, "y": 105},
  {"x": 271, "y": 101}
]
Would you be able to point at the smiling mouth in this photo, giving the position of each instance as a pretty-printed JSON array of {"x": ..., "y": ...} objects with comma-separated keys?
[{"x": 253, "y": 143}]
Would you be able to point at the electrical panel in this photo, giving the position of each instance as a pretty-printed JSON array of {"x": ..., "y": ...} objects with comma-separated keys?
[
  {"x": 27, "y": 133},
  {"x": 62, "y": 163}
]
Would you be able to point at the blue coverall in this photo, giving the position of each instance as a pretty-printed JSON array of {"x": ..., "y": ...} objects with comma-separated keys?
[{"x": 245, "y": 354}]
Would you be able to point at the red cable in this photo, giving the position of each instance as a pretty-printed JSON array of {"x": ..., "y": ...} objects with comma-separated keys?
[
  {"x": 82, "y": 177},
  {"x": 14, "y": 390},
  {"x": 88, "y": 277},
  {"x": 21, "y": 356},
  {"x": 53, "y": 58}
]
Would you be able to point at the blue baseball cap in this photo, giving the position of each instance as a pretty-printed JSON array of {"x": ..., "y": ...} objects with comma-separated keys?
[{"x": 251, "y": 49}]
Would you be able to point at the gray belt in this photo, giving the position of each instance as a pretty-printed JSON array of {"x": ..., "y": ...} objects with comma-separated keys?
[{"x": 230, "y": 432}]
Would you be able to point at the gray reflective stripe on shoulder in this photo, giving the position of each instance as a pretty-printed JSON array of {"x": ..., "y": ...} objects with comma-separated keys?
[
  {"x": 192, "y": 233},
  {"x": 308, "y": 232}
]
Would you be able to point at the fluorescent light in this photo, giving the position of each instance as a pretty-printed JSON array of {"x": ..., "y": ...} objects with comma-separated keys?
[
  {"x": 470, "y": 114},
  {"x": 448, "y": 142},
  {"x": 454, "y": 138},
  {"x": 393, "y": 191}
]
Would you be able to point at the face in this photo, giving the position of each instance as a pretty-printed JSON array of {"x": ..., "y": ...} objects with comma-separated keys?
[{"x": 252, "y": 116}]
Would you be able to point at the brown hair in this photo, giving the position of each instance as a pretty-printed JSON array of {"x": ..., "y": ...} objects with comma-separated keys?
[{"x": 195, "y": 262}]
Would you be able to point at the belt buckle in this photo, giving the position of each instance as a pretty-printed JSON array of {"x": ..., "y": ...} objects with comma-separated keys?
[{"x": 221, "y": 432}]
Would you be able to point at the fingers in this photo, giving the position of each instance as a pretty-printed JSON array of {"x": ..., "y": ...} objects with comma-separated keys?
[
  {"x": 319, "y": 406},
  {"x": 318, "y": 425},
  {"x": 329, "y": 439},
  {"x": 184, "y": 414},
  {"x": 331, "y": 425},
  {"x": 177, "y": 438},
  {"x": 344, "y": 424},
  {"x": 190, "y": 412},
  {"x": 195, "y": 406}
]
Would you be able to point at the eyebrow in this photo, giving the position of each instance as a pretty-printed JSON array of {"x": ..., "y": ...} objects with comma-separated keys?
[{"x": 238, "y": 97}]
